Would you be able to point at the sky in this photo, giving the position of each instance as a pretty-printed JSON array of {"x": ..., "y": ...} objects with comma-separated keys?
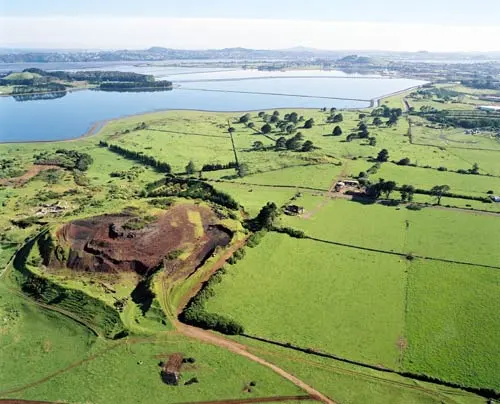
[{"x": 432, "y": 25}]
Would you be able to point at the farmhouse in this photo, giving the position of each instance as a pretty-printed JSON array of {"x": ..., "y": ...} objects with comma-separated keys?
[
  {"x": 346, "y": 183},
  {"x": 294, "y": 210},
  {"x": 170, "y": 372}
]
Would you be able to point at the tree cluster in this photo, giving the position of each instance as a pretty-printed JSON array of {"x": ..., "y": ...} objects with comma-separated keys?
[
  {"x": 189, "y": 188},
  {"x": 70, "y": 159}
]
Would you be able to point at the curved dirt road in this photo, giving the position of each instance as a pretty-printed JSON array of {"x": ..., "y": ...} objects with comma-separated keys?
[{"x": 214, "y": 339}]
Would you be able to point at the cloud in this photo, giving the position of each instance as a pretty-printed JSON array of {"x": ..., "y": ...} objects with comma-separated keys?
[{"x": 203, "y": 33}]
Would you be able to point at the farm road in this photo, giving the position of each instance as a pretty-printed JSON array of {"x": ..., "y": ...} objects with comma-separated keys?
[{"x": 232, "y": 346}]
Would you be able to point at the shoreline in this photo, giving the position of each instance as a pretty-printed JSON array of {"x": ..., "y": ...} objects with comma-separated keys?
[{"x": 97, "y": 126}]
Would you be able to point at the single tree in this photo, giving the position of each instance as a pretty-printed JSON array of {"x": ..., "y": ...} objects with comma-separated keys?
[
  {"x": 274, "y": 118},
  {"x": 309, "y": 123},
  {"x": 407, "y": 192},
  {"x": 393, "y": 119},
  {"x": 474, "y": 169},
  {"x": 404, "y": 162},
  {"x": 281, "y": 143},
  {"x": 338, "y": 118},
  {"x": 438, "y": 191},
  {"x": 388, "y": 187},
  {"x": 261, "y": 114},
  {"x": 362, "y": 116},
  {"x": 258, "y": 145},
  {"x": 383, "y": 155},
  {"x": 276, "y": 113},
  {"x": 190, "y": 168},
  {"x": 294, "y": 143},
  {"x": 266, "y": 129},
  {"x": 230, "y": 129},
  {"x": 337, "y": 131},
  {"x": 372, "y": 141},
  {"x": 250, "y": 125},
  {"x": 242, "y": 169},
  {"x": 244, "y": 118},
  {"x": 290, "y": 129},
  {"x": 307, "y": 146},
  {"x": 362, "y": 126},
  {"x": 377, "y": 121}
]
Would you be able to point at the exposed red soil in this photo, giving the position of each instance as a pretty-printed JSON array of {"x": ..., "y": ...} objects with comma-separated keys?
[
  {"x": 103, "y": 244},
  {"x": 23, "y": 179}
]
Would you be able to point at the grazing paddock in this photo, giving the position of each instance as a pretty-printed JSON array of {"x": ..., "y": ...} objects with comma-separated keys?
[
  {"x": 452, "y": 323},
  {"x": 319, "y": 296}
]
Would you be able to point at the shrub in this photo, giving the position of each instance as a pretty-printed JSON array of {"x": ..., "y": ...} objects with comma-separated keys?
[
  {"x": 414, "y": 206},
  {"x": 442, "y": 168}
]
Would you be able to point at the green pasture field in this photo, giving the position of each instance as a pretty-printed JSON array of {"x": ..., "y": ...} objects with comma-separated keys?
[
  {"x": 458, "y": 340},
  {"x": 318, "y": 296},
  {"x": 253, "y": 198},
  {"x": 348, "y": 383},
  {"x": 452, "y": 138},
  {"x": 36, "y": 339},
  {"x": 422, "y": 178},
  {"x": 130, "y": 371},
  {"x": 430, "y": 232},
  {"x": 458, "y": 203}
]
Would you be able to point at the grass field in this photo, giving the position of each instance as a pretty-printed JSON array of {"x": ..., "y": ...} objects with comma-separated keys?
[
  {"x": 462, "y": 184},
  {"x": 419, "y": 315},
  {"x": 459, "y": 338},
  {"x": 42, "y": 341},
  {"x": 130, "y": 372},
  {"x": 430, "y": 232},
  {"x": 318, "y": 296},
  {"x": 348, "y": 383}
]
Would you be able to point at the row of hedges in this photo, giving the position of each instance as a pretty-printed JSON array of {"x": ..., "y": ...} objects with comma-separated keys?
[
  {"x": 195, "y": 314},
  {"x": 453, "y": 195},
  {"x": 290, "y": 231},
  {"x": 138, "y": 156},
  {"x": 217, "y": 167},
  {"x": 189, "y": 188}
]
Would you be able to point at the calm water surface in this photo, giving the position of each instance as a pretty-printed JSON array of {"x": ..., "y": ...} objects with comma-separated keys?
[{"x": 204, "y": 89}]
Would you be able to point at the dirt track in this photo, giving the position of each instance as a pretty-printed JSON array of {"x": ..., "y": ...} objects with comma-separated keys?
[
  {"x": 222, "y": 342},
  {"x": 276, "y": 399},
  {"x": 23, "y": 179}
]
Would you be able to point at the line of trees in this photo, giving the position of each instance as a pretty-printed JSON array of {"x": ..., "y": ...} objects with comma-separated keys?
[
  {"x": 217, "y": 167},
  {"x": 196, "y": 315},
  {"x": 138, "y": 156},
  {"x": 136, "y": 85}
]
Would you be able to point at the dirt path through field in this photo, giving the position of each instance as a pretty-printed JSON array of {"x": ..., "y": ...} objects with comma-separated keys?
[
  {"x": 23, "y": 179},
  {"x": 234, "y": 347},
  {"x": 328, "y": 194},
  {"x": 276, "y": 399}
]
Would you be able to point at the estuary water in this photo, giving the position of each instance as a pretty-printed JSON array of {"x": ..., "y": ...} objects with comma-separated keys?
[{"x": 71, "y": 115}]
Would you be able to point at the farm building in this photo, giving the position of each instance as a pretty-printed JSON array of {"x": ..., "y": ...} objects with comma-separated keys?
[
  {"x": 495, "y": 198},
  {"x": 170, "y": 372},
  {"x": 346, "y": 183},
  {"x": 294, "y": 210}
]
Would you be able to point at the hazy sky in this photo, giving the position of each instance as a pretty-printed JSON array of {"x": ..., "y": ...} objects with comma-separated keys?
[{"x": 433, "y": 25}]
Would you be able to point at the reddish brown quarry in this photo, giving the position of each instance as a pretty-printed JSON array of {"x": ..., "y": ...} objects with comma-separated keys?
[{"x": 107, "y": 244}]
